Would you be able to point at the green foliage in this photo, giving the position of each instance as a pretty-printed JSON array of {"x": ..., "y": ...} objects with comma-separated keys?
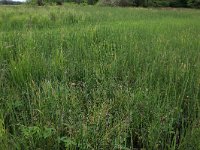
[
  {"x": 123, "y": 3},
  {"x": 116, "y": 2},
  {"x": 77, "y": 77},
  {"x": 193, "y": 3},
  {"x": 152, "y": 3}
]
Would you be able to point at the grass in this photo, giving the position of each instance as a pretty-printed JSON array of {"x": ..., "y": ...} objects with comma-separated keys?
[{"x": 81, "y": 77}]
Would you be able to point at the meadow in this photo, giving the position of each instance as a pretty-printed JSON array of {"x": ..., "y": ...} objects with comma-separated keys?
[{"x": 89, "y": 77}]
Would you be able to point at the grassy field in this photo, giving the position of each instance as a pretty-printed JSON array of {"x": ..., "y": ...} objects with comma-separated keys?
[{"x": 80, "y": 77}]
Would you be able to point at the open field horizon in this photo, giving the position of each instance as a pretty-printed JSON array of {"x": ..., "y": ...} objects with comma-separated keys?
[{"x": 88, "y": 77}]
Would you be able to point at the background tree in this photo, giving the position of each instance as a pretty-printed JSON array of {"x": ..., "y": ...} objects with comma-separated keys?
[{"x": 193, "y": 3}]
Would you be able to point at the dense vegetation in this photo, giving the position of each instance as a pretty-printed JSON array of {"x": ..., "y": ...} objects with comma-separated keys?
[
  {"x": 136, "y": 3},
  {"x": 77, "y": 77},
  {"x": 144, "y": 3},
  {"x": 153, "y": 3}
]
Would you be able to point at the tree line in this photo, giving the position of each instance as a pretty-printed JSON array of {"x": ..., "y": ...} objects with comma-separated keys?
[
  {"x": 60, "y": 2},
  {"x": 153, "y": 3},
  {"x": 136, "y": 3}
]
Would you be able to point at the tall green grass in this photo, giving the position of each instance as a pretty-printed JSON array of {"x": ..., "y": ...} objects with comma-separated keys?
[{"x": 80, "y": 77}]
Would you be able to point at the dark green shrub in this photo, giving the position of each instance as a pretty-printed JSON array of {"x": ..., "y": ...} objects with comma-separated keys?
[
  {"x": 40, "y": 2},
  {"x": 139, "y": 2},
  {"x": 178, "y": 3},
  {"x": 59, "y": 2}
]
